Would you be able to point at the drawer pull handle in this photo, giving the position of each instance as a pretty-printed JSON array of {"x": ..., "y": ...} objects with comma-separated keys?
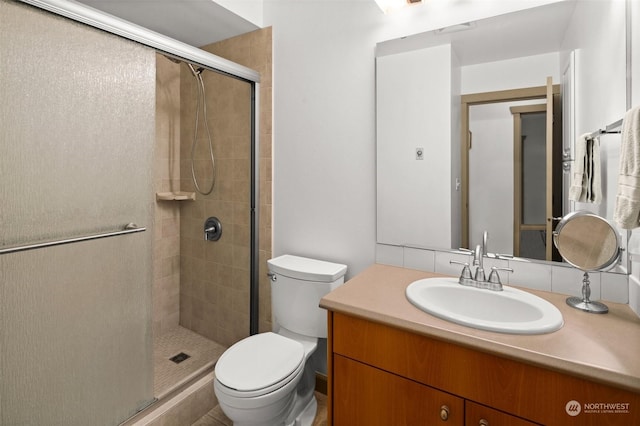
[
  {"x": 483, "y": 422},
  {"x": 444, "y": 413}
]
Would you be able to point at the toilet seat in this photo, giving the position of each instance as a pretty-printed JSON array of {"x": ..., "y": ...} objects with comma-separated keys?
[{"x": 259, "y": 364}]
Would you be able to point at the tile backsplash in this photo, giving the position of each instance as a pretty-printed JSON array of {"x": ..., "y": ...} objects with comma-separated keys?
[{"x": 560, "y": 278}]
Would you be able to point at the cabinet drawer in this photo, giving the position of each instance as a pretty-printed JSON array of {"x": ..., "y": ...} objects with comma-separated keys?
[
  {"x": 367, "y": 396},
  {"x": 479, "y": 415}
]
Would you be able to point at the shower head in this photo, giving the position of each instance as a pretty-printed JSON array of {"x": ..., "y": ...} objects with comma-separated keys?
[
  {"x": 195, "y": 71},
  {"x": 172, "y": 59}
]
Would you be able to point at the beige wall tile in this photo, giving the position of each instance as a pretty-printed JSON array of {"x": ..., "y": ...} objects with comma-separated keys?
[
  {"x": 166, "y": 285},
  {"x": 212, "y": 291}
]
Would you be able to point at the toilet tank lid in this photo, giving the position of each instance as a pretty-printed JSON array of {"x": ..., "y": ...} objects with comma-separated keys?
[{"x": 307, "y": 269}]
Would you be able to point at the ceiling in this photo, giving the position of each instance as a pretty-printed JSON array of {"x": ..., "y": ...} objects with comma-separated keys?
[
  {"x": 201, "y": 22},
  {"x": 195, "y": 22},
  {"x": 524, "y": 33}
]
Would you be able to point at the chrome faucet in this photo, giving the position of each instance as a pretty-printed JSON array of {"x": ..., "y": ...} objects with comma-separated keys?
[
  {"x": 479, "y": 278},
  {"x": 478, "y": 255},
  {"x": 485, "y": 238}
]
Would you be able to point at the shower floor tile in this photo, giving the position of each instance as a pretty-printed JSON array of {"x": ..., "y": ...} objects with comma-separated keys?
[{"x": 203, "y": 354}]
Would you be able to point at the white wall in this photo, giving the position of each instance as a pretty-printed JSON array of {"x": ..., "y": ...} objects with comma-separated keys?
[
  {"x": 600, "y": 88},
  {"x": 634, "y": 282},
  {"x": 528, "y": 71},
  {"x": 634, "y": 285},
  {"x": 635, "y": 51},
  {"x": 600, "y": 85},
  {"x": 413, "y": 92},
  {"x": 600, "y": 78},
  {"x": 251, "y": 10},
  {"x": 323, "y": 130},
  {"x": 324, "y": 117}
]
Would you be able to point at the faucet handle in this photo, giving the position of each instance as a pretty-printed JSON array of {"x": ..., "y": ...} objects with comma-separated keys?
[
  {"x": 494, "y": 279},
  {"x": 500, "y": 256},
  {"x": 465, "y": 275}
]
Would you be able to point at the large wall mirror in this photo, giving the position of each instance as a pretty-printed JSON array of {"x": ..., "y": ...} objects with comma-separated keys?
[{"x": 476, "y": 126}]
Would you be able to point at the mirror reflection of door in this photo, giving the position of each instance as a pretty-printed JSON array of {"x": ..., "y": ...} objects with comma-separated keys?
[
  {"x": 529, "y": 181},
  {"x": 510, "y": 189}
]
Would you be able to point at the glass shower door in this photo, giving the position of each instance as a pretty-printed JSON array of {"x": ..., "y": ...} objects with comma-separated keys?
[{"x": 76, "y": 138}]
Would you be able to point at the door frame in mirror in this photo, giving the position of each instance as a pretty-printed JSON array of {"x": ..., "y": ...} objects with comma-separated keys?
[
  {"x": 468, "y": 100},
  {"x": 517, "y": 113}
]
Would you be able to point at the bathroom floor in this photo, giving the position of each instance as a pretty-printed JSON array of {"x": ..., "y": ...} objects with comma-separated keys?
[
  {"x": 216, "y": 417},
  {"x": 168, "y": 375},
  {"x": 203, "y": 354}
]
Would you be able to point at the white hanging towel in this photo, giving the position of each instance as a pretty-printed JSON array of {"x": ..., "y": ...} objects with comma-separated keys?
[
  {"x": 578, "y": 189},
  {"x": 627, "y": 209},
  {"x": 594, "y": 179},
  {"x": 586, "y": 185}
]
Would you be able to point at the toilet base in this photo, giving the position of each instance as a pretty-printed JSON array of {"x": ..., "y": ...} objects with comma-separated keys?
[
  {"x": 308, "y": 415},
  {"x": 305, "y": 404}
]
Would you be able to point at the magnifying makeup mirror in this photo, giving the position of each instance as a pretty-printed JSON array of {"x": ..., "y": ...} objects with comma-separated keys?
[{"x": 590, "y": 243}]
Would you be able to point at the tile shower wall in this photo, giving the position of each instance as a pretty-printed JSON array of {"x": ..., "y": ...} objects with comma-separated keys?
[
  {"x": 214, "y": 281},
  {"x": 166, "y": 255}
]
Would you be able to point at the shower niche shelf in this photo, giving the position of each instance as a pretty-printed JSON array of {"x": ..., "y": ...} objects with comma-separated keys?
[{"x": 175, "y": 196}]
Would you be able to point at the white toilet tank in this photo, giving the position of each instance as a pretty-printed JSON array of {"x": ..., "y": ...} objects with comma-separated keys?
[{"x": 297, "y": 285}]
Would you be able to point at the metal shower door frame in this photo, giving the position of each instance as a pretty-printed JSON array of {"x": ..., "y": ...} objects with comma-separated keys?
[{"x": 190, "y": 54}]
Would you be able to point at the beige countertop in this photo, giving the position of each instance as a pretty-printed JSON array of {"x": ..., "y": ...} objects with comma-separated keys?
[{"x": 603, "y": 348}]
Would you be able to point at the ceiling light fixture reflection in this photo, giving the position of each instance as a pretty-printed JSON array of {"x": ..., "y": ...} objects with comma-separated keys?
[
  {"x": 456, "y": 28},
  {"x": 388, "y": 6}
]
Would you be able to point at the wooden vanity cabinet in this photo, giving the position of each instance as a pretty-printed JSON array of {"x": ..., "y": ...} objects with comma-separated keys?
[
  {"x": 365, "y": 395},
  {"x": 479, "y": 415},
  {"x": 382, "y": 375}
]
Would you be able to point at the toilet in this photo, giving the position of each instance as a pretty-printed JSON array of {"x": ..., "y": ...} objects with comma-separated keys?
[{"x": 268, "y": 379}]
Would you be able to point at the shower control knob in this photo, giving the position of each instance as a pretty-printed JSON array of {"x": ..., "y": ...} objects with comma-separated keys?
[{"x": 212, "y": 229}]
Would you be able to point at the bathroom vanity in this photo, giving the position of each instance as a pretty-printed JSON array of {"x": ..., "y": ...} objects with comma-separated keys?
[{"x": 390, "y": 363}]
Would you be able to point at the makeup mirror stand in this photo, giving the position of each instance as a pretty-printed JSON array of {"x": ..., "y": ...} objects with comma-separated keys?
[
  {"x": 585, "y": 303},
  {"x": 589, "y": 243}
]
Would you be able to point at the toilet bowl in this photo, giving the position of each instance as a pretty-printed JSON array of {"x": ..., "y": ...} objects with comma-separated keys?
[
  {"x": 267, "y": 379},
  {"x": 257, "y": 381}
]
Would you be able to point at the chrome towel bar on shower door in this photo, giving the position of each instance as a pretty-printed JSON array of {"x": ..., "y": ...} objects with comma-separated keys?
[{"x": 128, "y": 229}]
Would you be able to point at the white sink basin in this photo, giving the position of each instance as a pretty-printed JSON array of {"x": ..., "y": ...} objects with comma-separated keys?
[{"x": 509, "y": 311}]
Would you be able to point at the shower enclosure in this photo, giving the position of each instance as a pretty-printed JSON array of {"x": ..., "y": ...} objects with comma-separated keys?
[
  {"x": 79, "y": 250},
  {"x": 75, "y": 160}
]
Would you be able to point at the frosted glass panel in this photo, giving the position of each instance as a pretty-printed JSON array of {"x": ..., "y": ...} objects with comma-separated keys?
[
  {"x": 77, "y": 116},
  {"x": 75, "y": 333},
  {"x": 76, "y": 137}
]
